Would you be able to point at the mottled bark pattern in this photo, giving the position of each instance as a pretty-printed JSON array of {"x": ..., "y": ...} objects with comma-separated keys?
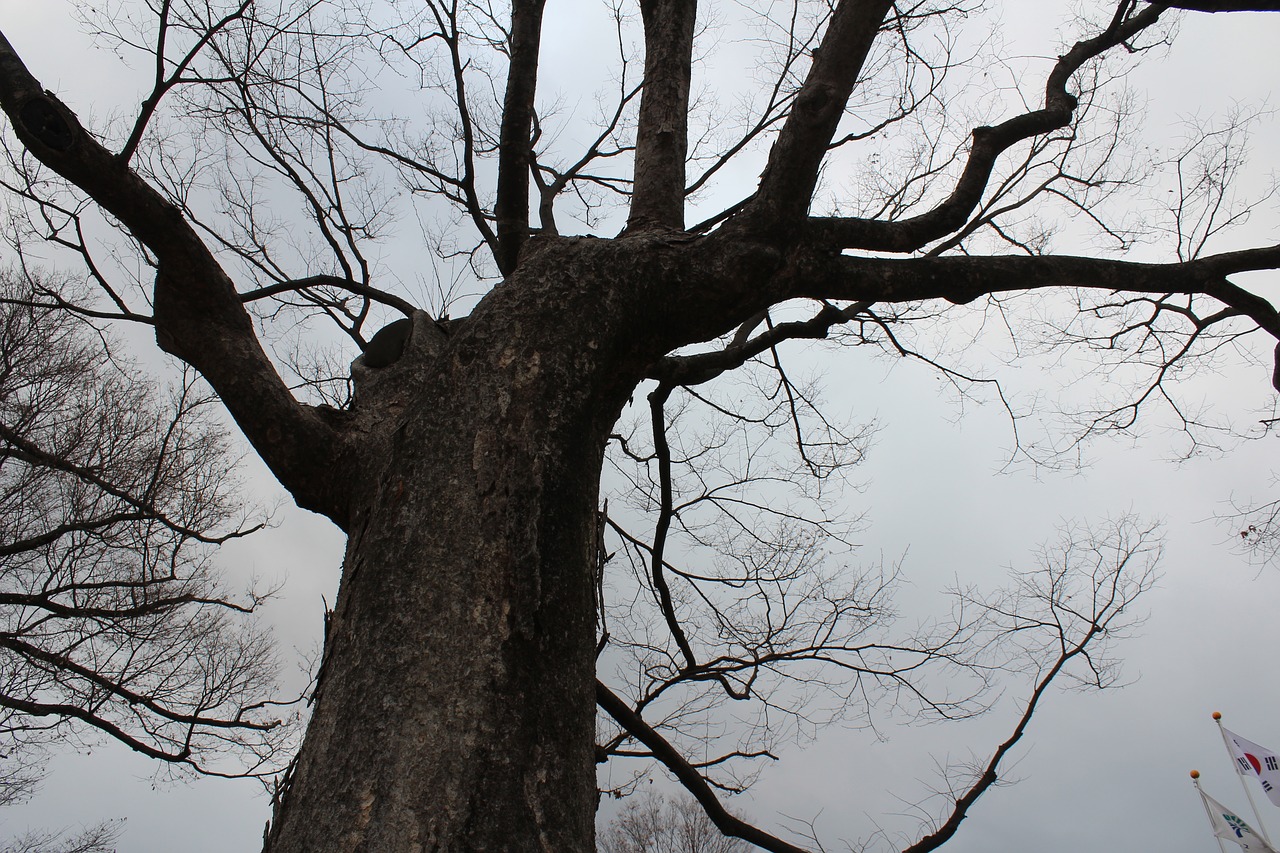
[{"x": 459, "y": 672}]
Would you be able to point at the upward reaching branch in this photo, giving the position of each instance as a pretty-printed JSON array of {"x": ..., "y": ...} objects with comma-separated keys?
[
  {"x": 515, "y": 155},
  {"x": 988, "y": 144},
  {"x": 786, "y": 188},
  {"x": 662, "y": 137}
]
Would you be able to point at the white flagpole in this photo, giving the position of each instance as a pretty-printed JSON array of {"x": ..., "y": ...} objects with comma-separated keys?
[
  {"x": 1195, "y": 780},
  {"x": 1262, "y": 827}
]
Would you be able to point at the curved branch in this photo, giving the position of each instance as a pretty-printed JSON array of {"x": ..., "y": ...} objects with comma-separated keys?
[
  {"x": 198, "y": 315},
  {"x": 688, "y": 775},
  {"x": 390, "y": 299},
  {"x": 704, "y": 367},
  {"x": 661, "y": 450},
  {"x": 908, "y": 235}
]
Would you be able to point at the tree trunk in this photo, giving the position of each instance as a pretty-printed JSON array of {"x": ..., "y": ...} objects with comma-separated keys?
[{"x": 455, "y": 708}]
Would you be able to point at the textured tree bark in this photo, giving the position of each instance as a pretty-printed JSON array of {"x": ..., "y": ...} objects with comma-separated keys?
[{"x": 455, "y": 708}]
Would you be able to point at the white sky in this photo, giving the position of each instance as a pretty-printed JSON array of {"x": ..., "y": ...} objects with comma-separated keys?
[{"x": 1097, "y": 771}]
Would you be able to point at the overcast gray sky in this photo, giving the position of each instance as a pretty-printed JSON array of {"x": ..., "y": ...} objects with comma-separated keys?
[{"x": 1097, "y": 771}]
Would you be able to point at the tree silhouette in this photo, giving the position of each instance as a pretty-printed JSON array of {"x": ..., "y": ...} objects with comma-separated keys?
[{"x": 484, "y": 585}]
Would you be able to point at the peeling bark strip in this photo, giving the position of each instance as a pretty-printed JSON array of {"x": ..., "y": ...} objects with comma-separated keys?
[{"x": 455, "y": 705}]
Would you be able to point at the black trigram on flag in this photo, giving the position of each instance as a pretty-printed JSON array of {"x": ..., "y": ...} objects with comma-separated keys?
[
  {"x": 1267, "y": 786},
  {"x": 1245, "y": 766},
  {"x": 1271, "y": 763}
]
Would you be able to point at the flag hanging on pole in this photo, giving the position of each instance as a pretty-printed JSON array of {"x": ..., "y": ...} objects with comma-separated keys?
[
  {"x": 1254, "y": 760},
  {"x": 1227, "y": 824}
]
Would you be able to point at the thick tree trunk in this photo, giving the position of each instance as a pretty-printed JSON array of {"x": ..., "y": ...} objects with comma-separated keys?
[{"x": 456, "y": 705}]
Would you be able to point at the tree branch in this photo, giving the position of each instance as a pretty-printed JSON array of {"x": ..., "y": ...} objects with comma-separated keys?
[
  {"x": 662, "y": 451},
  {"x": 390, "y": 299},
  {"x": 908, "y": 235},
  {"x": 704, "y": 367},
  {"x": 28, "y": 452},
  {"x": 688, "y": 775},
  {"x": 515, "y": 153},
  {"x": 198, "y": 315},
  {"x": 1224, "y": 6},
  {"x": 962, "y": 279},
  {"x": 786, "y": 187},
  {"x": 662, "y": 138},
  {"x": 162, "y": 83}
]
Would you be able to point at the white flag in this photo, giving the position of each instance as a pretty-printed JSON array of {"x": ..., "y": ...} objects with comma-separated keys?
[
  {"x": 1227, "y": 824},
  {"x": 1254, "y": 760}
]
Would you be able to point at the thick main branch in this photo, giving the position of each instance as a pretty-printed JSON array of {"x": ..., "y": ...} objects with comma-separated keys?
[
  {"x": 962, "y": 279},
  {"x": 198, "y": 315},
  {"x": 515, "y": 153}
]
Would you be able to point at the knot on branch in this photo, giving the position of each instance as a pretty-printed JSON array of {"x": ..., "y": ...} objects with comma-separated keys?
[
  {"x": 387, "y": 345},
  {"x": 391, "y": 358},
  {"x": 45, "y": 118},
  {"x": 1063, "y": 102},
  {"x": 1275, "y": 371}
]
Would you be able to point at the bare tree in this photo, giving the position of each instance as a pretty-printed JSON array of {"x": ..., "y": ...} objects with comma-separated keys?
[
  {"x": 112, "y": 620},
  {"x": 653, "y": 823},
  {"x": 19, "y": 779},
  {"x": 97, "y": 839},
  {"x": 484, "y": 589}
]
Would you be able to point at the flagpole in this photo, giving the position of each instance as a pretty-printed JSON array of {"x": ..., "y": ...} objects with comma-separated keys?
[
  {"x": 1195, "y": 780},
  {"x": 1217, "y": 718}
]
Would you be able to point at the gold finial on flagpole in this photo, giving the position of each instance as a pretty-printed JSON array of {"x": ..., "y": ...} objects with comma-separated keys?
[
  {"x": 1235, "y": 753},
  {"x": 1195, "y": 780}
]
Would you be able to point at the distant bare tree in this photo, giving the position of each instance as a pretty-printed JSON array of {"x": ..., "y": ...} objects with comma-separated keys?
[
  {"x": 653, "y": 823},
  {"x": 96, "y": 839},
  {"x": 19, "y": 779},
  {"x": 113, "y": 495}
]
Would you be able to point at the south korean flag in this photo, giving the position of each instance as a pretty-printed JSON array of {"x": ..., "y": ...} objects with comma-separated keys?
[{"x": 1254, "y": 760}]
